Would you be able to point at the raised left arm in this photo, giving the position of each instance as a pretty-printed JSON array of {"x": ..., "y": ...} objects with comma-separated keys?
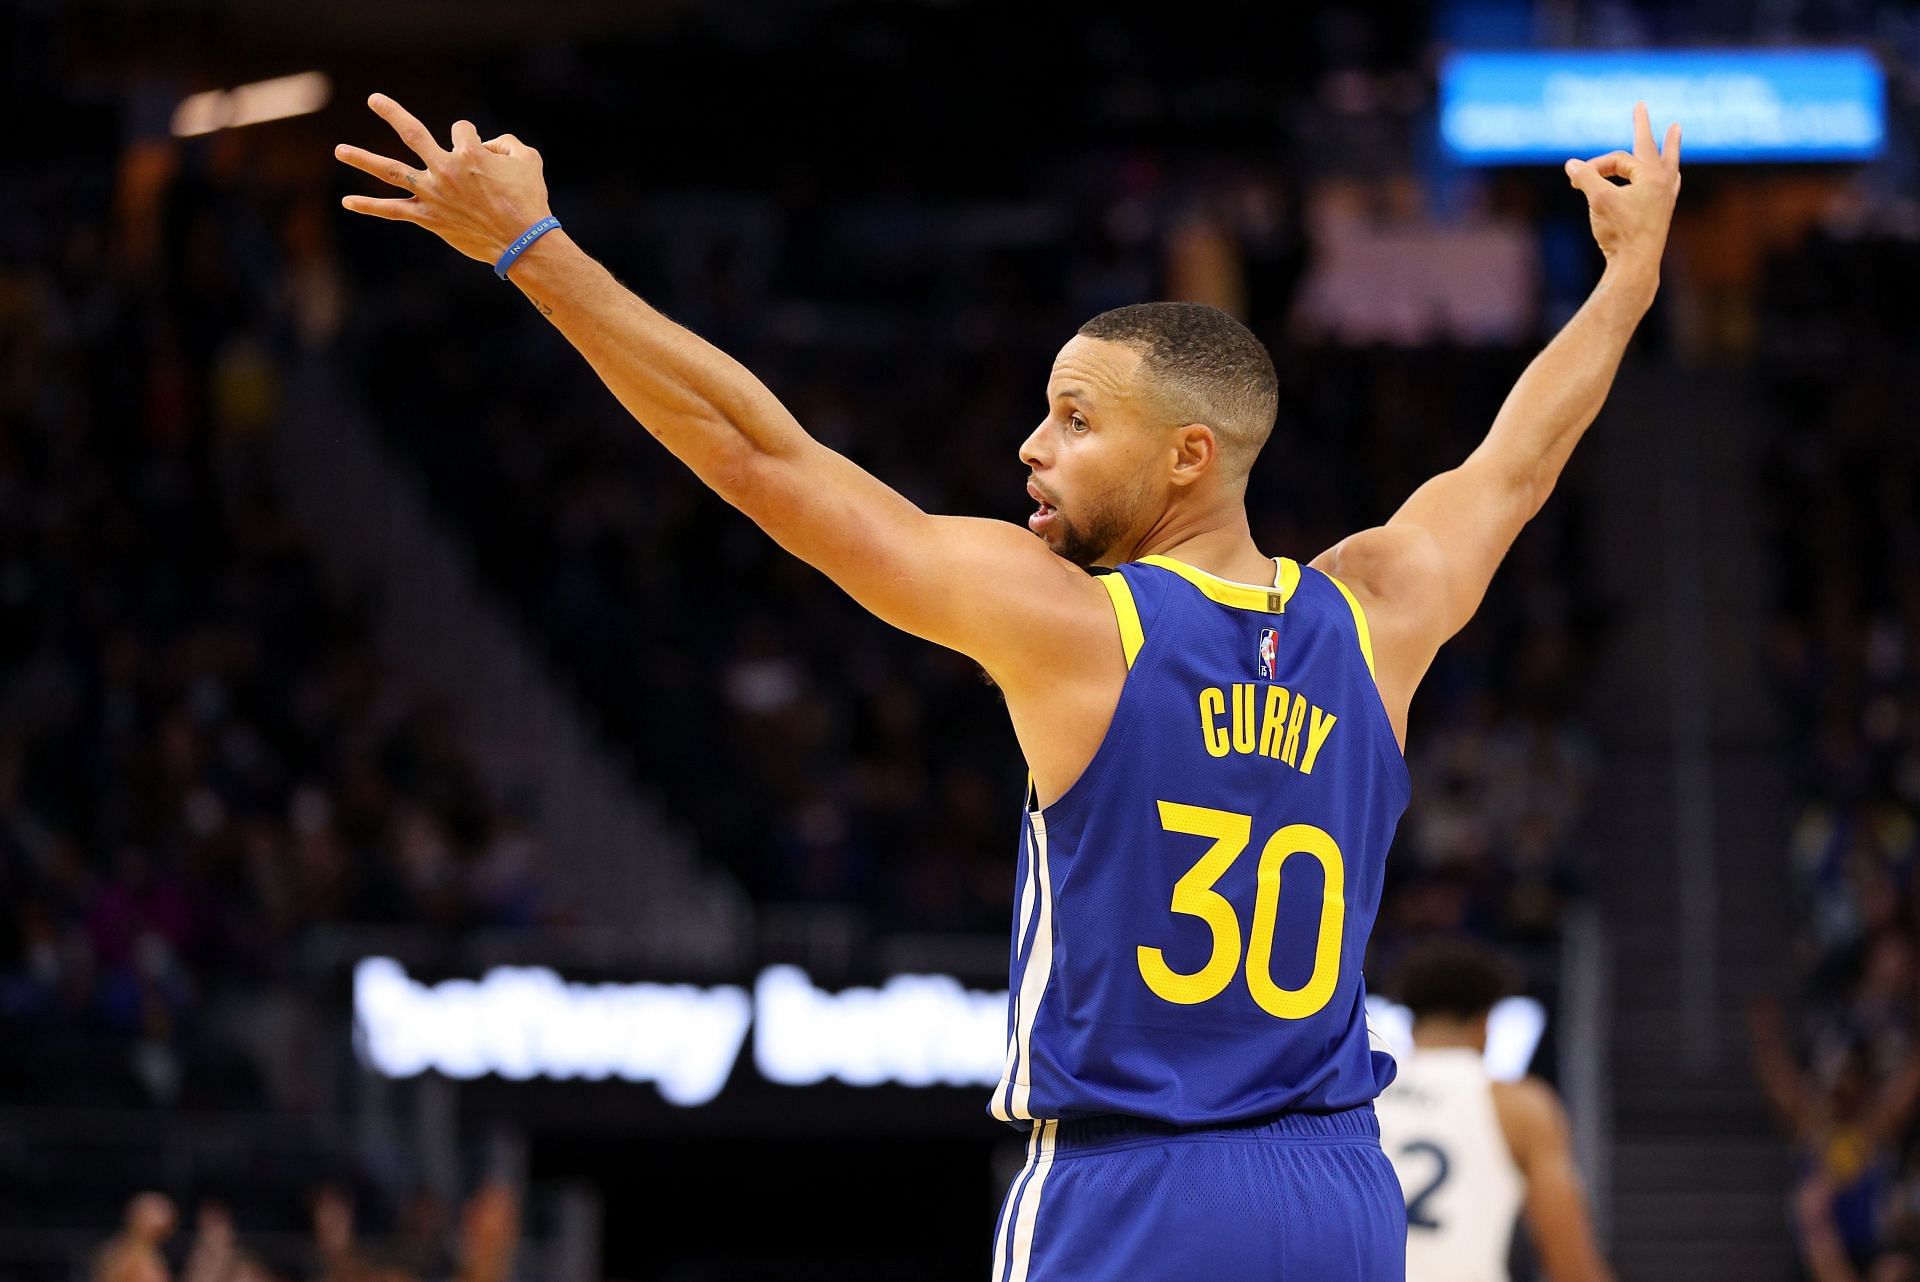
[{"x": 1422, "y": 575}]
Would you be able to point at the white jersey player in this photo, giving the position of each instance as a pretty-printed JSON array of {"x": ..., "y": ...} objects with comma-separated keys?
[{"x": 1475, "y": 1155}]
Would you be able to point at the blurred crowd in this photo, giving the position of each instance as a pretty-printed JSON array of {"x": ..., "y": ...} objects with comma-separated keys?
[
  {"x": 201, "y": 755},
  {"x": 1839, "y": 328},
  {"x": 423, "y": 1247}
]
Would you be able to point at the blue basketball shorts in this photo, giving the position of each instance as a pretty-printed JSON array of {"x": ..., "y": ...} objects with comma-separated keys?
[{"x": 1301, "y": 1197}]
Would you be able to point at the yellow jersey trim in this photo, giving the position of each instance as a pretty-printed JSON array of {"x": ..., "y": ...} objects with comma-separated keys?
[
  {"x": 1244, "y": 596},
  {"x": 1359, "y": 623},
  {"x": 1128, "y": 614},
  {"x": 1288, "y": 579}
]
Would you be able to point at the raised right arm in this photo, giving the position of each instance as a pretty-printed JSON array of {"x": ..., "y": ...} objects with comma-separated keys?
[{"x": 988, "y": 589}]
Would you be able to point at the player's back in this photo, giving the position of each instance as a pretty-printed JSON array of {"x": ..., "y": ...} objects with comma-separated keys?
[
  {"x": 1439, "y": 1124},
  {"x": 1192, "y": 914},
  {"x": 1188, "y": 1023}
]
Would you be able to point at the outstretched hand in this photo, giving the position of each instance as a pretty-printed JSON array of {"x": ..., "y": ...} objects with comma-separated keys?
[
  {"x": 1630, "y": 222},
  {"x": 477, "y": 197}
]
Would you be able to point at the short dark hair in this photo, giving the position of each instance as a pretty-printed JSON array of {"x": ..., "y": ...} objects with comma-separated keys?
[
  {"x": 1454, "y": 978},
  {"x": 1208, "y": 366}
]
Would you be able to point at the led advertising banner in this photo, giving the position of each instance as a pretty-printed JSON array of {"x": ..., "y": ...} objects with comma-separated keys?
[
  {"x": 1733, "y": 105},
  {"x": 688, "y": 1041}
]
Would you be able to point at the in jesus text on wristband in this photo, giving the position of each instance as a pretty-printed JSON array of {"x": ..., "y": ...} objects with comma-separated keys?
[{"x": 520, "y": 243}]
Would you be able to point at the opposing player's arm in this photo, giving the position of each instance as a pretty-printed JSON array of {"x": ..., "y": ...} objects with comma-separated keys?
[
  {"x": 986, "y": 588},
  {"x": 1556, "y": 1206},
  {"x": 1422, "y": 575}
]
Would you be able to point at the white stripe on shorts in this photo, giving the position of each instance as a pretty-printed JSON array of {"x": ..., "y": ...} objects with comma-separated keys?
[
  {"x": 1022, "y": 1249},
  {"x": 1014, "y": 1192}
]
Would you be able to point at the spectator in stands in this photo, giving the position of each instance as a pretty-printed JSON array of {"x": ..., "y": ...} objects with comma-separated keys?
[
  {"x": 1824, "y": 1250},
  {"x": 134, "y": 1255},
  {"x": 337, "y": 1257},
  {"x": 489, "y": 1233},
  {"x": 1847, "y": 1131}
]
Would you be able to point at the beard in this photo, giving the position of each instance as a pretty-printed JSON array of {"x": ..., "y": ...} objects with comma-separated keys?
[
  {"x": 1086, "y": 539},
  {"x": 1084, "y": 545}
]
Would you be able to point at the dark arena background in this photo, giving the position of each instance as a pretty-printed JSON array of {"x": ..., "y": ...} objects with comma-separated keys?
[{"x": 440, "y": 840}]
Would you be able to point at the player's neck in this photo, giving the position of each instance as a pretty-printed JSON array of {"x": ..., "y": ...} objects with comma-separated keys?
[
  {"x": 1436, "y": 1035},
  {"x": 1217, "y": 541}
]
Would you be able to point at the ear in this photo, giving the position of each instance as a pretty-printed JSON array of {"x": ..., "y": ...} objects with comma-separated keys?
[{"x": 1195, "y": 451}]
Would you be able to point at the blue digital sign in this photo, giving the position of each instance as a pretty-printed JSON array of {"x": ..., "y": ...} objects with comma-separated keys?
[{"x": 1733, "y": 105}]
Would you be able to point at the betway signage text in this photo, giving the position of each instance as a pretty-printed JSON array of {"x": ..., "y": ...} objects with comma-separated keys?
[{"x": 524, "y": 1022}]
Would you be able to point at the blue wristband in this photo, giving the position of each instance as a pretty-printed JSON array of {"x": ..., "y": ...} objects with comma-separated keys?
[{"x": 519, "y": 246}]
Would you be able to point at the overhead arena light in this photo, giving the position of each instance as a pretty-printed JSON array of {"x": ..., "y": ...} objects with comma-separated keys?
[{"x": 251, "y": 104}]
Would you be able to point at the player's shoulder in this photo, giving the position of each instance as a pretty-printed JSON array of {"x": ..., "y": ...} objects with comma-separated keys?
[
  {"x": 1531, "y": 1116},
  {"x": 1000, "y": 595},
  {"x": 1529, "y": 1098},
  {"x": 989, "y": 557},
  {"x": 1005, "y": 541},
  {"x": 1387, "y": 565}
]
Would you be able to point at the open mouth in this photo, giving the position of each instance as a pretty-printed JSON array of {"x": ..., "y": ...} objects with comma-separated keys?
[{"x": 1044, "y": 511}]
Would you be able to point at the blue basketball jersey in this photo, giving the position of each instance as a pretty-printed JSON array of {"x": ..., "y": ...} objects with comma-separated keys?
[{"x": 1190, "y": 918}]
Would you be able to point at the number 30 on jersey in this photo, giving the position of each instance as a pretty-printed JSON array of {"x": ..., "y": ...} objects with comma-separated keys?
[{"x": 1194, "y": 896}]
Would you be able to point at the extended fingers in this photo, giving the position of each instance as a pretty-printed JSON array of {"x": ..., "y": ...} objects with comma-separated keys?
[
  {"x": 385, "y": 168},
  {"x": 1671, "y": 152},
  {"x": 395, "y": 210},
  {"x": 1643, "y": 133},
  {"x": 411, "y": 131}
]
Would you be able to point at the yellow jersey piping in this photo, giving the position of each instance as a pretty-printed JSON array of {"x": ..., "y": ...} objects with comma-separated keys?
[
  {"x": 1359, "y": 624},
  {"x": 1244, "y": 596},
  {"x": 1126, "y": 613}
]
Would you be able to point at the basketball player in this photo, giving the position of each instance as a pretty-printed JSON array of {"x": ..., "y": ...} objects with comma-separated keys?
[
  {"x": 1475, "y": 1154},
  {"x": 1214, "y": 734}
]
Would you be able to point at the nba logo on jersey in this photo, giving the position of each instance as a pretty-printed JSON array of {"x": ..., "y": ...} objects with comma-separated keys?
[{"x": 1269, "y": 652}]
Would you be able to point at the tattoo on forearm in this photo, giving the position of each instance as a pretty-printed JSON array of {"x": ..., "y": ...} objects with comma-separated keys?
[{"x": 544, "y": 309}]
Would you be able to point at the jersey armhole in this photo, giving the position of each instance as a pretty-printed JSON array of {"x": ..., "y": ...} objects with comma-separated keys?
[
  {"x": 1125, "y": 612},
  {"x": 1359, "y": 624},
  {"x": 1390, "y": 751},
  {"x": 1133, "y": 638}
]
